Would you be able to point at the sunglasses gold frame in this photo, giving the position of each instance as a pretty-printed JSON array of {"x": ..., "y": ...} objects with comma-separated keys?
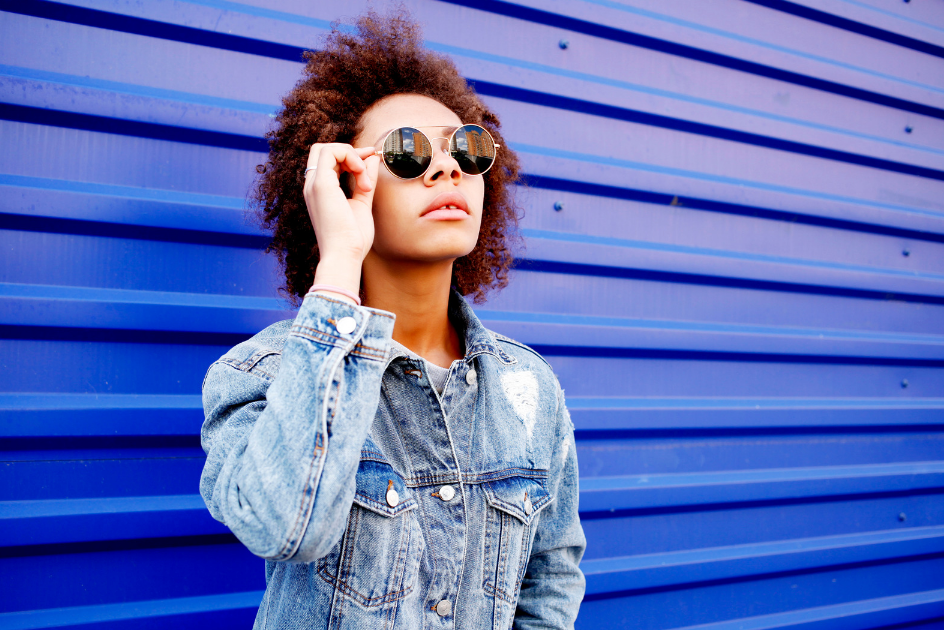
[{"x": 429, "y": 140}]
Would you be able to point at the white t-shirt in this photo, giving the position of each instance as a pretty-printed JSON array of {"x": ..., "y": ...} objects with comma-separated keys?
[{"x": 437, "y": 375}]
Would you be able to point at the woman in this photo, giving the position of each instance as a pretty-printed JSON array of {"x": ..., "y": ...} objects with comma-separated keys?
[{"x": 395, "y": 463}]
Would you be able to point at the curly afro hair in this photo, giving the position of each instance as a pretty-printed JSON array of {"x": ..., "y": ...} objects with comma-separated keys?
[{"x": 382, "y": 56}]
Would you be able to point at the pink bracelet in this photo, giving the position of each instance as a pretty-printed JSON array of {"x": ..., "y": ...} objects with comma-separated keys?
[{"x": 334, "y": 289}]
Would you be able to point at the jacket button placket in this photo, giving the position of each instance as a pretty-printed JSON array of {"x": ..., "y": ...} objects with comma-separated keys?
[{"x": 446, "y": 526}]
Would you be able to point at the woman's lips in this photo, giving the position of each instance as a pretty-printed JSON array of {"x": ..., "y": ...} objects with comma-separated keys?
[
  {"x": 446, "y": 214},
  {"x": 448, "y": 206}
]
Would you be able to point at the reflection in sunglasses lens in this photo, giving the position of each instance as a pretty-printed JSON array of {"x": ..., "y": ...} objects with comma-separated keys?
[
  {"x": 473, "y": 148},
  {"x": 407, "y": 152}
]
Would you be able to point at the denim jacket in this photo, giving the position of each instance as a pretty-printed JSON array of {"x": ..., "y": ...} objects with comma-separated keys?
[{"x": 378, "y": 502}]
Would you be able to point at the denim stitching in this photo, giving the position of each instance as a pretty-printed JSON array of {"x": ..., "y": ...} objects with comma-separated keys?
[
  {"x": 525, "y": 558},
  {"x": 405, "y": 506},
  {"x": 487, "y": 547},
  {"x": 247, "y": 364},
  {"x": 503, "y": 553},
  {"x": 299, "y": 328},
  {"x": 515, "y": 511},
  {"x": 505, "y": 473},
  {"x": 483, "y": 348},
  {"x": 337, "y": 398},
  {"x": 340, "y": 581},
  {"x": 417, "y": 481},
  {"x": 397, "y": 570},
  {"x": 344, "y": 568},
  {"x": 374, "y": 457},
  {"x": 326, "y": 338},
  {"x": 240, "y": 365},
  {"x": 371, "y": 601},
  {"x": 309, "y": 493},
  {"x": 259, "y": 356},
  {"x": 503, "y": 556}
]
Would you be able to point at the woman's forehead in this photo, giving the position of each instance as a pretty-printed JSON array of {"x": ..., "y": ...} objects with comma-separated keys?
[{"x": 407, "y": 110}]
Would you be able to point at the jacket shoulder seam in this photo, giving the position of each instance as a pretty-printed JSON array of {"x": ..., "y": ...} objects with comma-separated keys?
[
  {"x": 241, "y": 367},
  {"x": 509, "y": 340}
]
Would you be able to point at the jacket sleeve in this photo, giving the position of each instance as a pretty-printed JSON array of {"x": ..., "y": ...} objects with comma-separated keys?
[
  {"x": 282, "y": 452},
  {"x": 553, "y": 584}
]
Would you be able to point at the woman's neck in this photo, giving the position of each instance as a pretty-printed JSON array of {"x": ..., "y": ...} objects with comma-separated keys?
[{"x": 419, "y": 296}]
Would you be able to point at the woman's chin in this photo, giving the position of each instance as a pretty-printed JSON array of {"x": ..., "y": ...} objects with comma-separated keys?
[{"x": 434, "y": 249}]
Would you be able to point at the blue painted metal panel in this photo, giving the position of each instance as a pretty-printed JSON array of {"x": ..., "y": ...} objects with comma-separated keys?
[{"x": 741, "y": 293}]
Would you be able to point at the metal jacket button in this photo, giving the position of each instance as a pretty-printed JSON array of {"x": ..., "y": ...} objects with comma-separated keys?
[
  {"x": 446, "y": 493},
  {"x": 444, "y": 608},
  {"x": 346, "y": 325},
  {"x": 470, "y": 377},
  {"x": 528, "y": 508},
  {"x": 393, "y": 499}
]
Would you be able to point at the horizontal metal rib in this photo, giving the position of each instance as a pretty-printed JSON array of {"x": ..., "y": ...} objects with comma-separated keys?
[
  {"x": 47, "y": 198},
  {"x": 85, "y": 307},
  {"x": 52, "y": 415},
  {"x": 58, "y": 521},
  {"x": 544, "y": 246},
  {"x": 591, "y": 414},
  {"x": 692, "y": 566},
  {"x": 608, "y": 494},
  {"x": 130, "y": 611},
  {"x": 55, "y": 414},
  {"x": 856, "y": 615}
]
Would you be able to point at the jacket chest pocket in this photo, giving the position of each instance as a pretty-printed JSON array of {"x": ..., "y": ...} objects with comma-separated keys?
[
  {"x": 514, "y": 504},
  {"x": 377, "y": 560}
]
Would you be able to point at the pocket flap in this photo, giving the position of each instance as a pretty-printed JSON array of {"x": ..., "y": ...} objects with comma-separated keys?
[
  {"x": 381, "y": 490},
  {"x": 521, "y": 497}
]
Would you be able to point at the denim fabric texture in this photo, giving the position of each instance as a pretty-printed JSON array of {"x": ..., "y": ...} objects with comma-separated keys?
[{"x": 379, "y": 503}]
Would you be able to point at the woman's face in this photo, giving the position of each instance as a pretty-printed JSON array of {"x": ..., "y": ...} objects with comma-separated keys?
[{"x": 413, "y": 220}]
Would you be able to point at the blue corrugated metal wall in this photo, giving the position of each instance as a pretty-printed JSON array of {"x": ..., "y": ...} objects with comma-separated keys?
[{"x": 742, "y": 293}]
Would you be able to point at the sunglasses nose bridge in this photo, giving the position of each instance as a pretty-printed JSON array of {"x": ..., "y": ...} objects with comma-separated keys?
[
  {"x": 445, "y": 150},
  {"x": 445, "y": 146}
]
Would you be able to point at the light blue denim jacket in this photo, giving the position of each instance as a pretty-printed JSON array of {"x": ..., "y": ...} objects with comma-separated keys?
[{"x": 379, "y": 503}]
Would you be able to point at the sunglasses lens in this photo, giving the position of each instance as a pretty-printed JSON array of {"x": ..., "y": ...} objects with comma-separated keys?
[
  {"x": 407, "y": 152},
  {"x": 473, "y": 148}
]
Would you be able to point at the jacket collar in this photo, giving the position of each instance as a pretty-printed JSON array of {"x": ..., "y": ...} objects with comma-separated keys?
[{"x": 478, "y": 339}]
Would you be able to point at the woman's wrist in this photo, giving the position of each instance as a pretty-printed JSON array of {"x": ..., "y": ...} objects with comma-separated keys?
[
  {"x": 336, "y": 292},
  {"x": 341, "y": 278}
]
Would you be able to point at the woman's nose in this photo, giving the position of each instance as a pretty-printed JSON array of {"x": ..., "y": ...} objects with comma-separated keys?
[{"x": 443, "y": 163}]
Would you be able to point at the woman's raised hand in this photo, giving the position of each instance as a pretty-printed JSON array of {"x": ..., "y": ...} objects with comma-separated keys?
[{"x": 344, "y": 227}]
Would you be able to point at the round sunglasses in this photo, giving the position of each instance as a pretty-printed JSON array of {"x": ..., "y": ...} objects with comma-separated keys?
[{"x": 407, "y": 152}]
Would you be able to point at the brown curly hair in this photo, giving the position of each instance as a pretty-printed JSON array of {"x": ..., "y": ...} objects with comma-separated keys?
[{"x": 383, "y": 56}]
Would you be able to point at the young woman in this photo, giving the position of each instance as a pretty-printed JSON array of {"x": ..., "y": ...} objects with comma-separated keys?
[{"x": 395, "y": 463}]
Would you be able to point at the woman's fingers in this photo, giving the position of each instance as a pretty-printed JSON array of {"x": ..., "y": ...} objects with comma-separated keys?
[
  {"x": 340, "y": 157},
  {"x": 336, "y": 158},
  {"x": 343, "y": 226},
  {"x": 364, "y": 179},
  {"x": 365, "y": 194}
]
